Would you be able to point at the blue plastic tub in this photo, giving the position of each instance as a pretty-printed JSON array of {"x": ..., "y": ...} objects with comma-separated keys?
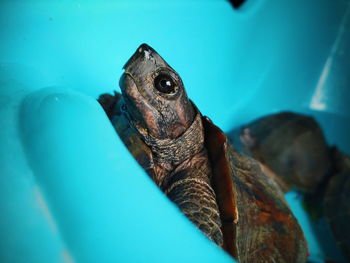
[{"x": 70, "y": 191}]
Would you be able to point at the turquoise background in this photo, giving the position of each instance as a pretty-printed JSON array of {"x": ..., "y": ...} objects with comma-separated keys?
[{"x": 70, "y": 191}]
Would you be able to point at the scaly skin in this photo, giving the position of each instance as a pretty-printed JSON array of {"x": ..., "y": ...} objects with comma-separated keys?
[{"x": 189, "y": 187}]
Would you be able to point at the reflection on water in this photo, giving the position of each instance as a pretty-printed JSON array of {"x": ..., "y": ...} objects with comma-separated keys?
[{"x": 332, "y": 93}]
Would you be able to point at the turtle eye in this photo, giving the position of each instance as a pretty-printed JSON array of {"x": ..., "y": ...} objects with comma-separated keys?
[{"x": 164, "y": 83}]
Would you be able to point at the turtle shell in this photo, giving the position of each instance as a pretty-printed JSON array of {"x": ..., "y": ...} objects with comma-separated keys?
[
  {"x": 258, "y": 225},
  {"x": 289, "y": 145},
  {"x": 337, "y": 202}
]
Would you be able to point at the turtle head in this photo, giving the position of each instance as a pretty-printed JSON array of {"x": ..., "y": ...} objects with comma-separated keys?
[{"x": 154, "y": 95}]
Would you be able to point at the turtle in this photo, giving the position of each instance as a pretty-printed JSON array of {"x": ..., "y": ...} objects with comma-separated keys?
[
  {"x": 225, "y": 194},
  {"x": 337, "y": 201},
  {"x": 290, "y": 146}
]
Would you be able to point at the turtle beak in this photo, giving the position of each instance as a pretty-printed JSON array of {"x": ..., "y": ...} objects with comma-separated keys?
[
  {"x": 137, "y": 69},
  {"x": 143, "y": 54}
]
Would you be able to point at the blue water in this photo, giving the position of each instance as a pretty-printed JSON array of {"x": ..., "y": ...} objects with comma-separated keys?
[{"x": 70, "y": 191}]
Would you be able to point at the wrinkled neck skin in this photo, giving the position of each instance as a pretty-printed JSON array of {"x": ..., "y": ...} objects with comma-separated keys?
[{"x": 173, "y": 152}]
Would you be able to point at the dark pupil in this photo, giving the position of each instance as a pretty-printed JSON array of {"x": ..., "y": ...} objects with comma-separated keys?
[{"x": 164, "y": 84}]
